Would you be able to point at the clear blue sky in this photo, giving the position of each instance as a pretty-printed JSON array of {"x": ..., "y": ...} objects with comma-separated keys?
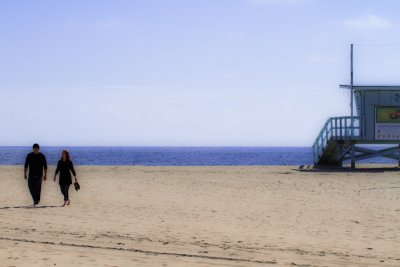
[{"x": 186, "y": 73}]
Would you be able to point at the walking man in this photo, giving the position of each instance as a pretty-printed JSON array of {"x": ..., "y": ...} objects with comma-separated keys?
[{"x": 37, "y": 164}]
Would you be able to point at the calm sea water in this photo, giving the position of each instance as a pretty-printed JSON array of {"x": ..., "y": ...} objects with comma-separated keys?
[{"x": 171, "y": 156}]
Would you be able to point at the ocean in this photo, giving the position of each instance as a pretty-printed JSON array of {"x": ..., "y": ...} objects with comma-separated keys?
[{"x": 172, "y": 156}]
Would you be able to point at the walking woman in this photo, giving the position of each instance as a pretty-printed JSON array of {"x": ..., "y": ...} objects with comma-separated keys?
[{"x": 65, "y": 167}]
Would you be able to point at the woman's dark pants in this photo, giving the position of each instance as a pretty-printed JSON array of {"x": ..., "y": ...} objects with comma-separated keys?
[{"x": 64, "y": 190}]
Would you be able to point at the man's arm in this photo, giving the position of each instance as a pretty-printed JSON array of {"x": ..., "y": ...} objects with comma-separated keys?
[
  {"x": 45, "y": 168},
  {"x": 26, "y": 167}
]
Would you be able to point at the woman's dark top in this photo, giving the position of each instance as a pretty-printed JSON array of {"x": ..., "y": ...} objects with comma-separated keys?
[{"x": 65, "y": 168}]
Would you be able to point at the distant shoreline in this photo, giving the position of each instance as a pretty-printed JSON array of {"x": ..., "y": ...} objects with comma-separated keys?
[{"x": 176, "y": 156}]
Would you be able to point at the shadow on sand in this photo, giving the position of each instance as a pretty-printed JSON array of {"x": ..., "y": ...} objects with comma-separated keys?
[
  {"x": 28, "y": 207},
  {"x": 348, "y": 169}
]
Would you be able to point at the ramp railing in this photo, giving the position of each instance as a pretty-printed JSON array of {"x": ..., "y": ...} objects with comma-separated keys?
[{"x": 338, "y": 128}]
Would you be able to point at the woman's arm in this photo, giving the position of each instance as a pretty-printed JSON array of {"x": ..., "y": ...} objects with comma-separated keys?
[
  {"x": 57, "y": 171},
  {"x": 73, "y": 170}
]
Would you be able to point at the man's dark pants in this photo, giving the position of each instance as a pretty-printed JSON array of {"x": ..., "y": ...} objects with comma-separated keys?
[{"x": 35, "y": 187}]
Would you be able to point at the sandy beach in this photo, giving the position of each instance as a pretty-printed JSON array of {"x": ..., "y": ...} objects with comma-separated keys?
[{"x": 204, "y": 216}]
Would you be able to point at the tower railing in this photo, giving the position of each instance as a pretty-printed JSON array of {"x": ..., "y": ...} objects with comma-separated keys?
[{"x": 338, "y": 128}]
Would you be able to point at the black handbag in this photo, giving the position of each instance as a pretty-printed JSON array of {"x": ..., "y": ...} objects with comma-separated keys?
[{"x": 77, "y": 186}]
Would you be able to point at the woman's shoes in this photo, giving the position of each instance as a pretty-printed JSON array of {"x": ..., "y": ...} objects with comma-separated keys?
[{"x": 66, "y": 203}]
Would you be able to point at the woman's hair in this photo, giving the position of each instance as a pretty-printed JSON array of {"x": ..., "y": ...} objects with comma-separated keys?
[{"x": 67, "y": 156}]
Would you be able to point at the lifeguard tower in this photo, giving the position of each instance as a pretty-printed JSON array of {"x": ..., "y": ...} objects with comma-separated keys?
[{"x": 377, "y": 122}]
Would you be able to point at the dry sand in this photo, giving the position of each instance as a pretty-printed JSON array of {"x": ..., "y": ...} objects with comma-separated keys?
[{"x": 203, "y": 216}]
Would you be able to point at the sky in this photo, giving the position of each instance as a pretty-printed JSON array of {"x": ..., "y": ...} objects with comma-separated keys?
[{"x": 187, "y": 72}]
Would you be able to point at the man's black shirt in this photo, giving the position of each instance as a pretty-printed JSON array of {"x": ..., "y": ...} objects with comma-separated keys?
[{"x": 36, "y": 163}]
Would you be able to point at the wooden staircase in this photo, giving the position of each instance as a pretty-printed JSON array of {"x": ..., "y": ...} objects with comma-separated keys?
[{"x": 335, "y": 138}]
